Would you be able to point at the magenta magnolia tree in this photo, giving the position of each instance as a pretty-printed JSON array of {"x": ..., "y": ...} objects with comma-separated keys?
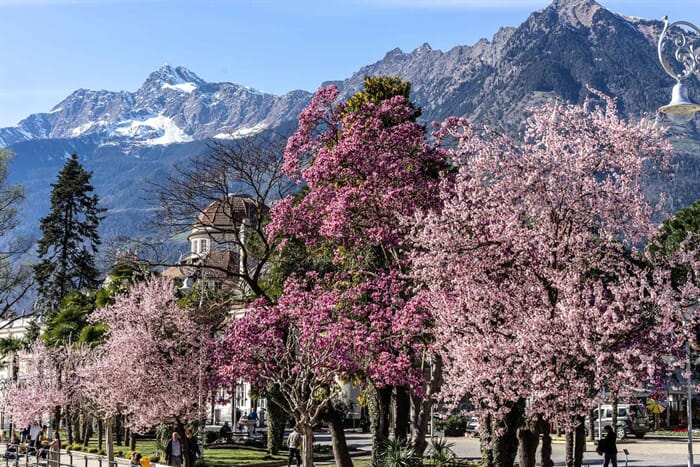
[
  {"x": 320, "y": 334},
  {"x": 150, "y": 365},
  {"x": 366, "y": 170},
  {"x": 532, "y": 269}
]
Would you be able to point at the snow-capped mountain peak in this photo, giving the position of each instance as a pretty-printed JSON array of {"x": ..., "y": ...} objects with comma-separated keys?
[{"x": 173, "y": 105}]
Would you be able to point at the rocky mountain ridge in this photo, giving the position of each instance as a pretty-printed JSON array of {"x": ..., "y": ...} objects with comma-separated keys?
[
  {"x": 173, "y": 105},
  {"x": 559, "y": 51}
]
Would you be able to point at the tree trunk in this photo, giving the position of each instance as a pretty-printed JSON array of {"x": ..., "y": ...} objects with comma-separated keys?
[
  {"x": 501, "y": 450},
  {"x": 118, "y": 432},
  {"x": 528, "y": 439},
  {"x": 421, "y": 407},
  {"x": 234, "y": 409},
  {"x": 110, "y": 440},
  {"x": 614, "y": 416},
  {"x": 57, "y": 421},
  {"x": 569, "y": 448},
  {"x": 402, "y": 412},
  {"x": 132, "y": 441},
  {"x": 100, "y": 433},
  {"x": 546, "y": 451},
  {"x": 87, "y": 429},
  {"x": 69, "y": 425},
  {"x": 379, "y": 401},
  {"x": 75, "y": 420},
  {"x": 341, "y": 454},
  {"x": 486, "y": 441},
  {"x": 308, "y": 446},
  {"x": 506, "y": 445},
  {"x": 276, "y": 420},
  {"x": 591, "y": 425},
  {"x": 580, "y": 443}
]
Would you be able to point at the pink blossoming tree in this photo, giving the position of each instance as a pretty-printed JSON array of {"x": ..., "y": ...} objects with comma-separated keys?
[
  {"x": 312, "y": 339},
  {"x": 367, "y": 166},
  {"x": 150, "y": 366},
  {"x": 532, "y": 268},
  {"x": 42, "y": 387}
]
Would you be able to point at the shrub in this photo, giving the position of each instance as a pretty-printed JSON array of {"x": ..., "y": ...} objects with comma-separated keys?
[
  {"x": 103, "y": 452},
  {"x": 120, "y": 454},
  {"x": 323, "y": 449},
  {"x": 154, "y": 458},
  {"x": 454, "y": 425},
  {"x": 93, "y": 450},
  {"x": 76, "y": 447},
  {"x": 210, "y": 437}
]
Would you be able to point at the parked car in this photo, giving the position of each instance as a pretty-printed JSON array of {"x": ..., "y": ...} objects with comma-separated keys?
[
  {"x": 473, "y": 425},
  {"x": 632, "y": 419}
]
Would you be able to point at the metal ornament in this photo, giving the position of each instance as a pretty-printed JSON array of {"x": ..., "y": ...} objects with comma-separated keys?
[{"x": 686, "y": 52}]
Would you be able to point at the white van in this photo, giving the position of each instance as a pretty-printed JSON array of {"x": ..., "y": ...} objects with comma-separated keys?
[{"x": 632, "y": 419}]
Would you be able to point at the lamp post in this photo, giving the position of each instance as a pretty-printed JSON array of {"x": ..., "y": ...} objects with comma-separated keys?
[
  {"x": 686, "y": 55},
  {"x": 689, "y": 405},
  {"x": 681, "y": 40}
]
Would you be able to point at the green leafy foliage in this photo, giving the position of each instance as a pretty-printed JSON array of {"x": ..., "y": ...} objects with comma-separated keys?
[
  {"x": 453, "y": 425},
  {"x": 68, "y": 322}
]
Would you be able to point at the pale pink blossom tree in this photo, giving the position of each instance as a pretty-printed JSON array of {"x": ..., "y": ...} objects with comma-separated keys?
[
  {"x": 532, "y": 266},
  {"x": 150, "y": 366},
  {"x": 40, "y": 389}
]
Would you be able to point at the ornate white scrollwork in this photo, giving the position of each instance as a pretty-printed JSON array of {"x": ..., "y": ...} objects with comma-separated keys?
[{"x": 680, "y": 40}]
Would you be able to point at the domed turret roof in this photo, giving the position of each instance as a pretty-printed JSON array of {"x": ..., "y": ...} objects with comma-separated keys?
[{"x": 228, "y": 213}]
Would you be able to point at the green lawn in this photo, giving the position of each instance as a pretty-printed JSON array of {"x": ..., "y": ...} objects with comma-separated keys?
[{"x": 218, "y": 457}]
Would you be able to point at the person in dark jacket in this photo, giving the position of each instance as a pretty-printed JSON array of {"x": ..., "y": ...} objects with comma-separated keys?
[
  {"x": 173, "y": 451},
  {"x": 608, "y": 447},
  {"x": 193, "y": 452}
]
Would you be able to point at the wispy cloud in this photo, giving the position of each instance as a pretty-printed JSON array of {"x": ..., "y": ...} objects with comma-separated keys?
[{"x": 454, "y": 4}]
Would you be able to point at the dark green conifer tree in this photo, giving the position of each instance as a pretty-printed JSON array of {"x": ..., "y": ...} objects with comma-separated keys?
[{"x": 70, "y": 237}]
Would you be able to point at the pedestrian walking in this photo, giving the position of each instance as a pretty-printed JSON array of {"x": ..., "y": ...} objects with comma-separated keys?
[
  {"x": 607, "y": 447},
  {"x": 294, "y": 445},
  {"x": 55, "y": 451},
  {"x": 193, "y": 452},
  {"x": 173, "y": 451}
]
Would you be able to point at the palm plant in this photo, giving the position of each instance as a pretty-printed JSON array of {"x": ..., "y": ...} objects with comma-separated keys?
[
  {"x": 398, "y": 452},
  {"x": 441, "y": 453}
]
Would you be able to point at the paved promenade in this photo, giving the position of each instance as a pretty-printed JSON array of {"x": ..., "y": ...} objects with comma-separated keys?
[{"x": 648, "y": 452}]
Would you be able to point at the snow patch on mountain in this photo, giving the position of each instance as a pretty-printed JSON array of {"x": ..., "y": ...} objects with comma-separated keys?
[
  {"x": 242, "y": 132},
  {"x": 184, "y": 87},
  {"x": 154, "y": 131},
  {"x": 82, "y": 129}
]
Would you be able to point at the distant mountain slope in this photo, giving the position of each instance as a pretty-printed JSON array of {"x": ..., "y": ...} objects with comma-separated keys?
[{"x": 558, "y": 51}]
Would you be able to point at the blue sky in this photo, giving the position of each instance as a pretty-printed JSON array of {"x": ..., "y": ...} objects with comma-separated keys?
[{"x": 49, "y": 48}]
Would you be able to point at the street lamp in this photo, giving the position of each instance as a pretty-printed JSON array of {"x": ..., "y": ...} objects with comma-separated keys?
[
  {"x": 687, "y": 57},
  {"x": 689, "y": 405}
]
